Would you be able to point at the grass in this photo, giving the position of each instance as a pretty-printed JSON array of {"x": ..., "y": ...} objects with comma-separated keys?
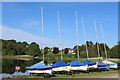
[
  {"x": 88, "y": 74},
  {"x": 21, "y": 57},
  {"x": 18, "y": 56},
  {"x": 82, "y": 75}
]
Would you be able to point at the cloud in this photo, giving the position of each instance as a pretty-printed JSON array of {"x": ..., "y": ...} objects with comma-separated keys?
[
  {"x": 20, "y": 35},
  {"x": 31, "y": 24}
]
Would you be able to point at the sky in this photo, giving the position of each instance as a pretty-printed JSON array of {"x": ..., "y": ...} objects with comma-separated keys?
[{"x": 22, "y": 21}]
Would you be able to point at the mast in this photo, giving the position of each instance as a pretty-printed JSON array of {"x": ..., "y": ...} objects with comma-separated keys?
[
  {"x": 77, "y": 34},
  {"x": 103, "y": 40},
  {"x": 59, "y": 33},
  {"x": 42, "y": 30},
  {"x": 83, "y": 26},
  {"x": 96, "y": 38}
]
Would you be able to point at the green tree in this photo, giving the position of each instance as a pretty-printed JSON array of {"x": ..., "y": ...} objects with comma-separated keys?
[
  {"x": 4, "y": 52},
  {"x": 66, "y": 50},
  {"x": 46, "y": 50},
  {"x": 11, "y": 53},
  {"x": 83, "y": 54},
  {"x": 114, "y": 52},
  {"x": 10, "y": 45},
  {"x": 33, "y": 49},
  {"x": 21, "y": 48},
  {"x": 55, "y": 50}
]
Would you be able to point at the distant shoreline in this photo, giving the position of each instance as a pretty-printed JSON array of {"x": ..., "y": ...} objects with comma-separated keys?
[
  {"x": 21, "y": 57},
  {"x": 28, "y": 57}
]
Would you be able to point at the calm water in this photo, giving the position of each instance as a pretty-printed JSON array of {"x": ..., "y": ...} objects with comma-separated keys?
[{"x": 8, "y": 66}]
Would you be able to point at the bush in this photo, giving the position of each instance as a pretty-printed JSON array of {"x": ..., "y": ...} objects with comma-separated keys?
[{"x": 11, "y": 53}]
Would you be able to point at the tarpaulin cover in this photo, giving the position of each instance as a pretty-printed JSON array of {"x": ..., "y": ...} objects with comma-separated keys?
[
  {"x": 76, "y": 63},
  {"x": 40, "y": 65},
  {"x": 113, "y": 64},
  {"x": 59, "y": 64},
  {"x": 100, "y": 63},
  {"x": 89, "y": 63},
  {"x": 108, "y": 62},
  {"x": 103, "y": 67}
]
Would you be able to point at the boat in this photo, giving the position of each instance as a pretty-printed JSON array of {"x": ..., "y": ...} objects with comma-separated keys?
[
  {"x": 91, "y": 65},
  {"x": 39, "y": 68},
  {"x": 77, "y": 66},
  {"x": 112, "y": 65},
  {"x": 60, "y": 67},
  {"x": 102, "y": 66}
]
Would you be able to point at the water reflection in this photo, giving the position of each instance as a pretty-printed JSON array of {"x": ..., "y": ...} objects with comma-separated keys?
[
  {"x": 8, "y": 65},
  {"x": 4, "y": 75}
]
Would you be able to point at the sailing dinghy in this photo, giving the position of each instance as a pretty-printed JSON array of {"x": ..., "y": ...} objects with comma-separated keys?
[
  {"x": 78, "y": 66},
  {"x": 90, "y": 64},
  {"x": 102, "y": 66},
  {"x": 111, "y": 64},
  {"x": 39, "y": 68},
  {"x": 60, "y": 67}
]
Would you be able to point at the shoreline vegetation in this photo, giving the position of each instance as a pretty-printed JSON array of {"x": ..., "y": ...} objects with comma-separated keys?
[
  {"x": 28, "y": 57},
  {"x": 80, "y": 75},
  {"x": 14, "y": 48},
  {"x": 24, "y": 51},
  {"x": 20, "y": 57}
]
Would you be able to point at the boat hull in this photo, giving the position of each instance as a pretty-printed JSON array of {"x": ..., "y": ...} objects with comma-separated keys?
[
  {"x": 79, "y": 68},
  {"x": 93, "y": 66},
  {"x": 113, "y": 66},
  {"x": 40, "y": 71},
  {"x": 65, "y": 68}
]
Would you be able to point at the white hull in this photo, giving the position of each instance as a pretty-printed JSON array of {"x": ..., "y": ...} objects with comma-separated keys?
[
  {"x": 40, "y": 71},
  {"x": 92, "y": 67},
  {"x": 79, "y": 68},
  {"x": 65, "y": 68},
  {"x": 113, "y": 66}
]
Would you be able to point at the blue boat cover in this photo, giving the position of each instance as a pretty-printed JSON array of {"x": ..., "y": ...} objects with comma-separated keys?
[
  {"x": 59, "y": 64},
  {"x": 76, "y": 63},
  {"x": 88, "y": 62},
  {"x": 103, "y": 67},
  {"x": 113, "y": 64},
  {"x": 40, "y": 65},
  {"x": 100, "y": 63}
]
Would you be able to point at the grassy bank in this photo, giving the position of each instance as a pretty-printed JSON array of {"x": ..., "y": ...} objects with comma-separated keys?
[
  {"x": 81, "y": 75},
  {"x": 21, "y": 57},
  {"x": 52, "y": 58}
]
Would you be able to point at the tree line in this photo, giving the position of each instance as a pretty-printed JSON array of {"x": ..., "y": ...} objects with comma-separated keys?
[{"x": 12, "y": 47}]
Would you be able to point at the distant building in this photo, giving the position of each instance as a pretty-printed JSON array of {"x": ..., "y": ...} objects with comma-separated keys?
[
  {"x": 51, "y": 49},
  {"x": 70, "y": 51}
]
